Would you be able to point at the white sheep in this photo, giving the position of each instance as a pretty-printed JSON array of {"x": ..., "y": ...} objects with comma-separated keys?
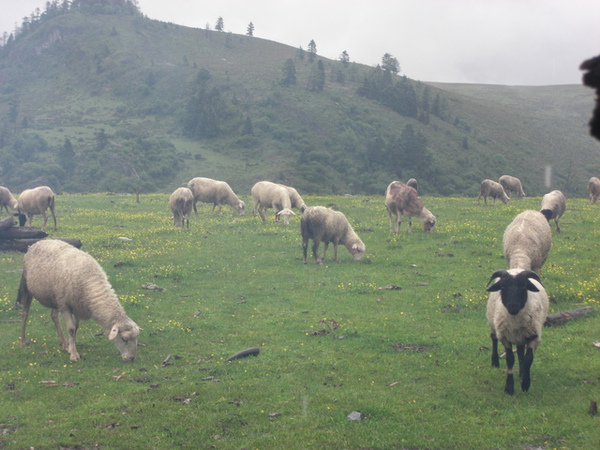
[
  {"x": 267, "y": 195},
  {"x": 72, "y": 283},
  {"x": 37, "y": 201},
  {"x": 527, "y": 241},
  {"x": 594, "y": 190},
  {"x": 326, "y": 225},
  {"x": 181, "y": 203},
  {"x": 553, "y": 206},
  {"x": 492, "y": 189},
  {"x": 7, "y": 200},
  {"x": 219, "y": 193},
  {"x": 516, "y": 311},
  {"x": 403, "y": 200},
  {"x": 512, "y": 184},
  {"x": 412, "y": 182},
  {"x": 295, "y": 198}
]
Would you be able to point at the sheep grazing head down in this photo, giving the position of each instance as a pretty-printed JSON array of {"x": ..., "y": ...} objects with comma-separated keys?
[
  {"x": 358, "y": 251},
  {"x": 124, "y": 336},
  {"x": 514, "y": 294}
]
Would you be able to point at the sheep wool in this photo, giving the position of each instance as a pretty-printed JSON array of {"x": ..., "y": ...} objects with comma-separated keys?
[
  {"x": 492, "y": 189},
  {"x": 267, "y": 195},
  {"x": 219, "y": 193},
  {"x": 513, "y": 185},
  {"x": 37, "y": 201},
  {"x": 295, "y": 198},
  {"x": 181, "y": 203},
  {"x": 7, "y": 200},
  {"x": 72, "y": 283},
  {"x": 326, "y": 225},
  {"x": 527, "y": 241},
  {"x": 594, "y": 190},
  {"x": 403, "y": 200},
  {"x": 554, "y": 205}
]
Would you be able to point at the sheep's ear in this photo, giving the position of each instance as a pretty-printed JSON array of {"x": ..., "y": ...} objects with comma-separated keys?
[
  {"x": 532, "y": 287},
  {"x": 529, "y": 274},
  {"x": 113, "y": 333}
]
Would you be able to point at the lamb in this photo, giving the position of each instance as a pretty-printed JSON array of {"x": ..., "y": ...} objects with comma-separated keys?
[
  {"x": 37, "y": 201},
  {"x": 403, "y": 200},
  {"x": 326, "y": 225},
  {"x": 594, "y": 190},
  {"x": 512, "y": 184},
  {"x": 412, "y": 182},
  {"x": 219, "y": 193},
  {"x": 181, "y": 203},
  {"x": 71, "y": 282},
  {"x": 267, "y": 195},
  {"x": 527, "y": 241},
  {"x": 516, "y": 311},
  {"x": 7, "y": 200},
  {"x": 492, "y": 189},
  {"x": 297, "y": 201},
  {"x": 553, "y": 206}
]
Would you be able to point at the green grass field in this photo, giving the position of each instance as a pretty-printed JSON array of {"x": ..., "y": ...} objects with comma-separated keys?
[{"x": 414, "y": 361}]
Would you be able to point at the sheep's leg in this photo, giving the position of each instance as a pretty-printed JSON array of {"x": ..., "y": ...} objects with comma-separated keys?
[
  {"x": 72, "y": 324},
  {"x": 61, "y": 337},
  {"x": 509, "y": 388},
  {"x": 261, "y": 213},
  {"x": 45, "y": 216},
  {"x": 495, "y": 357},
  {"x": 315, "y": 250},
  {"x": 525, "y": 369},
  {"x": 409, "y": 224},
  {"x": 304, "y": 248},
  {"x": 398, "y": 221},
  {"x": 335, "y": 247},
  {"x": 195, "y": 207},
  {"x": 557, "y": 225},
  {"x": 325, "y": 246},
  {"x": 53, "y": 216},
  {"x": 24, "y": 299}
]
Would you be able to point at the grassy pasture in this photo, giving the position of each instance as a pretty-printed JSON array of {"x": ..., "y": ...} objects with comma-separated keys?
[{"x": 414, "y": 361}]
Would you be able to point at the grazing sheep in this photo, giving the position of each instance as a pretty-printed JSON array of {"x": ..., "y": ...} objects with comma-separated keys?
[
  {"x": 267, "y": 195},
  {"x": 492, "y": 189},
  {"x": 512, "y": 184},
  {"x": 594, "y": 190},
  {"x": 527, "y": 241},
  {"x": 553, "y": 206},
  {"x": 37, "y": 201},
  {"x": 219, "y": 193},
  {"x": 181, "y": 203},
  {"x": 7, "y": 200},
  {"x": 297, "y": 201},
  {"x": 326, "y": 225},
  {"x": 72, "y": 283},
  {"x": 403, "y": 200},
  {"x": 412, "y": 182},
  {"x": 516, "y": 311}
]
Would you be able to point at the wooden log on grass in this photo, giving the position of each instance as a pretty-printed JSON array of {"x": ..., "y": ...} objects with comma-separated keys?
[
  {"x": 22, "y": 233},
  {"x": 22, "y": 245},
  {"x": 565, "y": 316}
]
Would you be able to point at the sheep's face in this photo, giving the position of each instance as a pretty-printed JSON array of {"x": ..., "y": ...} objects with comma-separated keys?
[
  {"x": 286, "y": 213},
  {"x": 241, "y": 208},
  {"x": 429, "y": 223},
  {"x": 124, "y": 337},
  {"x": 358, "y": 251},
  {"x": 514, "y": 289}
]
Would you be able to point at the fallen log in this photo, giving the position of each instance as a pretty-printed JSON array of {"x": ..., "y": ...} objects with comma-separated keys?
[
  {"x": 22, "y": 233},
  {"x": 565, "y": 316},
  {"x": 7, "y": 223},
  {"x": 22, "y": 245}
]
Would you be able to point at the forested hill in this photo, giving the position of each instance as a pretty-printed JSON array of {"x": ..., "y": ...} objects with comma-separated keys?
[{"x": 94, "y": 96}]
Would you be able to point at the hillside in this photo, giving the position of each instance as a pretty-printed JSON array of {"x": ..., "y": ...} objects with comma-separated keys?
[{"x": 92, "y": 101}]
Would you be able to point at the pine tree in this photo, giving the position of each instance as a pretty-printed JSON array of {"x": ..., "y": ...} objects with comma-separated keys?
[
  {"x": 312, "y": 50},
  {"x": 219, "y": 25},
  {"x": 289, "y": 73},
  {"x": 250, "y": 30}
]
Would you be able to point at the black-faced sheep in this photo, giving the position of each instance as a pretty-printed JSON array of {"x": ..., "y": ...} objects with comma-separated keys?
[
  {"x": 326, "y": 225},
  {"x": 72, "y": 283},
  {"x": 37, "y": 201},
  {"x": 267, "y": 195},
  {"x": 527, "y": 241},
  {"x": 513, "y": 185},
  {"x": 593, "y": 189},
  {"x": 516, "y": 311},
  {"x": 553, "y": 206},
  {"x": 7, "y": 200},
  {"x": 403, "y": 200},
  {"x": 181, "y": 203},
  {"x": 492, "y": 189},
  {"x": 219, "y": 193},
  {"x": 295, "y": 198},
  {"x": 412, "y": 182}
]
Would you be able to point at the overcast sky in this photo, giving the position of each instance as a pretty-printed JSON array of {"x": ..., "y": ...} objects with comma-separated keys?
[{"x": 510, "y": 42}]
